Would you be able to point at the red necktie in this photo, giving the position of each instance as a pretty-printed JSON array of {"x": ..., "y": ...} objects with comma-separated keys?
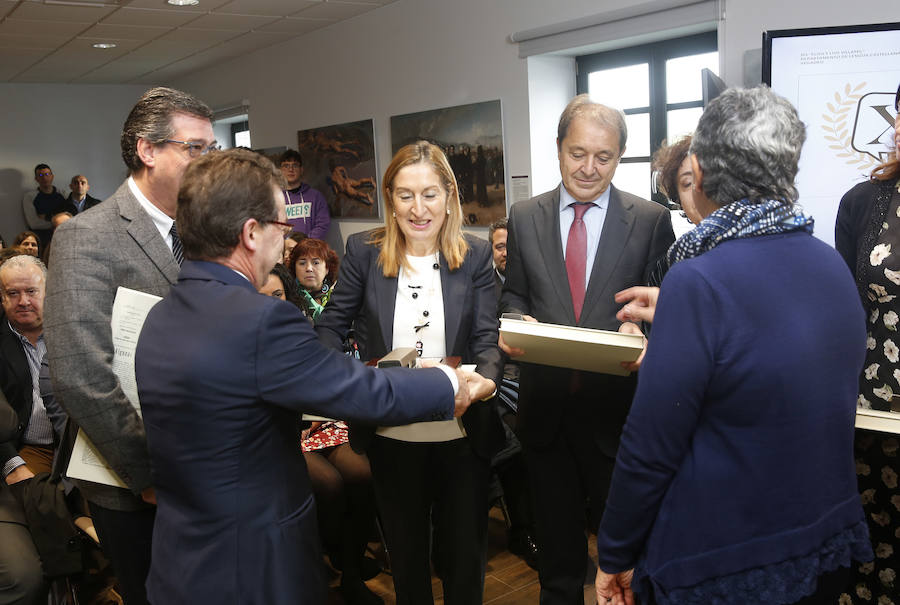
[{"x": 576, "y": 256}]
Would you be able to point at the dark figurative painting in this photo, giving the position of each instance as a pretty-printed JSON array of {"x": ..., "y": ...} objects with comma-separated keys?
[
  {"x": 472, "y": 137},
  {"x": 339, "y": 161}
]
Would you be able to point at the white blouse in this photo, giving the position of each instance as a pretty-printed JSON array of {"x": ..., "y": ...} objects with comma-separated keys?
[{"x": 419, "y": 323}]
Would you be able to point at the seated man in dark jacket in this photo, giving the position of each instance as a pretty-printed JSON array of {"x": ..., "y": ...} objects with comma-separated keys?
[{"x": 29, "y": 450}]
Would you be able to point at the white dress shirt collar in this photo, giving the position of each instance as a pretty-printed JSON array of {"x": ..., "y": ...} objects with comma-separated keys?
[{"x": 161, "y": 220}]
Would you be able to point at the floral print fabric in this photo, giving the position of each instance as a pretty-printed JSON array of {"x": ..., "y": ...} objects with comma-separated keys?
[{"x": 876, "y": 453}]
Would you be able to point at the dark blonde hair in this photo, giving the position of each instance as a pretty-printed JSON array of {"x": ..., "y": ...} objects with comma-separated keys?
[{"x": 390, "y": 239}]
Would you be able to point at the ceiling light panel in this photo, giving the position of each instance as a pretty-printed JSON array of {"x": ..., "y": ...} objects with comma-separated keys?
[{"x": 276, "y": 8}]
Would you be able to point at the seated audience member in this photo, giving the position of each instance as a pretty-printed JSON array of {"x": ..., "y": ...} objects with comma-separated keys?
[
  {"x": 315, "y": 267},
  {"x": 79, "y": 200},
  {"x": 281, "y": 284},
  {"x": 30, "y": 449},
  {"x": 28, "y": 242},
  {"x": 673, "y": 168},
  {"x": 867, "y": 234},
  {"x": 307, "y": 208},
  {"x": 735, "y": 480},
  {"x": 509, "y": 463},
  {"x": 39, "y": 205},
  {"x": 341, "y": 478},
  {"x": 290, "y": 241},
  {"x": 222, "y": 372}
]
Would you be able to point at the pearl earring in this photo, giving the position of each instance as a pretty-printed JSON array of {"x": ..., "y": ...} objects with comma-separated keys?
[
  {"x": 394, "y": 214},
  {"x": 448, "y": 209}
]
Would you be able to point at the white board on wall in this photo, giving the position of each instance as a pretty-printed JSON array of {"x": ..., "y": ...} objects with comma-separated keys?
[{"x": 842, "y": 80}]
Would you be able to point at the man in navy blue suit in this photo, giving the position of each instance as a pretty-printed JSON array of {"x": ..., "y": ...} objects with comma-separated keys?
[{"x": 222, "y": 373}]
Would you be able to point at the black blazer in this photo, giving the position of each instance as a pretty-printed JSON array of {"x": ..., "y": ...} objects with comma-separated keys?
[
  {"x": 364, "y": 294},
  {"x": 8, "y": 421},
  {"x": 15, "y": 382},
  {"x": 635, "y": 234}
]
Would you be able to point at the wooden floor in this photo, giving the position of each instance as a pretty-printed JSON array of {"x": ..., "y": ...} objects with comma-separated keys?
[{"x": 508, "y": 580}]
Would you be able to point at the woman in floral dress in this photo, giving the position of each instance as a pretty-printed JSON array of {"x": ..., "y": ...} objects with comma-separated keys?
[{"x": 867, "y": 235}]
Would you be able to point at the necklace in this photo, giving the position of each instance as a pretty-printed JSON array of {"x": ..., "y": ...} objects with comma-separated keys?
[{"x": 421, "y": 299}]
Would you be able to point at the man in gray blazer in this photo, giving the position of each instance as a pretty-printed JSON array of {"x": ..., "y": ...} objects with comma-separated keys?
[
  {"x": 128, "y": 240},
  {"x": 568, "y": 252}
]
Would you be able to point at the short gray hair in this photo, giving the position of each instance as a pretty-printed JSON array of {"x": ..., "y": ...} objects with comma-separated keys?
[
  {"x": 748, "y": 144},
  {"x": 151, "y": 119},
  {"x": 582, "y": 107},
  {"x": 22, "y": 261}
]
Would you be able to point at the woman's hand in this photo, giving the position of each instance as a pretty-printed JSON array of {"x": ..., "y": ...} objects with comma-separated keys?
[
  {"x": 614, "y": 588},
  {"x": 641, "y": 303},
  {"x": 630, "y": 328}
]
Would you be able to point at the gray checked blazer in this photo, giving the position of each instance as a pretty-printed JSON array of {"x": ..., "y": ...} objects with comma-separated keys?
[{"x": 113, "y": 244}]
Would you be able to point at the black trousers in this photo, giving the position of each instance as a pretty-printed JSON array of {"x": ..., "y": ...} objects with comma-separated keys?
[
  {"x": 444, "y": 485},
  {"x": 125, "y": 537},
  {"x": 569, "y": 480}
]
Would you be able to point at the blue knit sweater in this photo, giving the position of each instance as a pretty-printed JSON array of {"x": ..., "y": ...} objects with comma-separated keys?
[{"x": 735, "y": 480}]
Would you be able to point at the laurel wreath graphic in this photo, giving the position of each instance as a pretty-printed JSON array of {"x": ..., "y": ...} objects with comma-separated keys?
[{"x": 839, "y": 134}]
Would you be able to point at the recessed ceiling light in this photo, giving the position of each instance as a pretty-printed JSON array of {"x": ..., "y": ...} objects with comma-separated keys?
[
  {"x": 104, "y": 45},
  {"x": 183, "y": 2}
]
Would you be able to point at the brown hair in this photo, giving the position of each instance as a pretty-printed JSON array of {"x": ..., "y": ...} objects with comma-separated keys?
[
  {"x": 151, "y": 119},
  {"x": 582, "y": 107},
  {"x": 25, "y": 235},
  {"x": 220, "y": 191},
  {"x": 315, "y": 248},
  {"x": 668, "y": 160},
  {"x": 390, "y": 239}
]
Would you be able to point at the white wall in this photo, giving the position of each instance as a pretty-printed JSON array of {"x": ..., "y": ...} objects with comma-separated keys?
[
  {"x": 73, "y": 128},
  {"x": 408, "y": 56}
]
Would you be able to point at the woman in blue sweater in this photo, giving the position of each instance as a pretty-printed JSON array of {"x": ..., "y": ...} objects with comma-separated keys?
[{"x": 734, "y": 481}]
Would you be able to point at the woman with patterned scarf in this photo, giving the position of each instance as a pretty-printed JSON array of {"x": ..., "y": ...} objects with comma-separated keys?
[
  {"x": 867, "y": 235},
  {"x": 734, "y": 481}
]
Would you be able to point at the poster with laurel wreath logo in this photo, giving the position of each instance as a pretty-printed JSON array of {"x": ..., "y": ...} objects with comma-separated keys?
[{"x": 843, "y": 86}]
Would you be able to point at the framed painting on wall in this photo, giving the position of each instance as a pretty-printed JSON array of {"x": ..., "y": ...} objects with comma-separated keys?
[
  {"x": 472, "y": 138},
  {"x": 339, "y": 161}
]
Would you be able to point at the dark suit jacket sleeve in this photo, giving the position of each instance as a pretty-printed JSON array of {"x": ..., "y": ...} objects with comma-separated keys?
[
  {"x": 663, "y": 237},
  {"x": 514, "y": 298},
  {"x": 853, "y": 216},
  {"x": 345, "y": 304},
  {"x": 484, "y": 333},
  {"x": 296, "y": 371},
  {"x": 78, "y": 306},
  {"x": 8, "y": 420}
]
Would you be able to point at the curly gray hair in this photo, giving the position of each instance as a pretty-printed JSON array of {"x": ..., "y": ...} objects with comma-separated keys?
[{"x": 748, "y": 144}]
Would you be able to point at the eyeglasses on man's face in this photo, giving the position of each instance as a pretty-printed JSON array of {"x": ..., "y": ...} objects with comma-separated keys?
[
  {"x": 286, "y": 228},
  {"x": 195, "y": 149}
]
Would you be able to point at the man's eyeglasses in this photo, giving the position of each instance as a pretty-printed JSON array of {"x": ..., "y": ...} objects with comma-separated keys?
[
  {"x": 195, "y": 150},
  {"x": 44, "y": 173},
  {"x": 286, "y": 228},
  {"x": 290, "y": 166}
]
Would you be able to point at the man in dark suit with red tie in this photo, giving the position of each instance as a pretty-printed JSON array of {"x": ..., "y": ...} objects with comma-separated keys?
[{"x": 568, "y": 252}]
